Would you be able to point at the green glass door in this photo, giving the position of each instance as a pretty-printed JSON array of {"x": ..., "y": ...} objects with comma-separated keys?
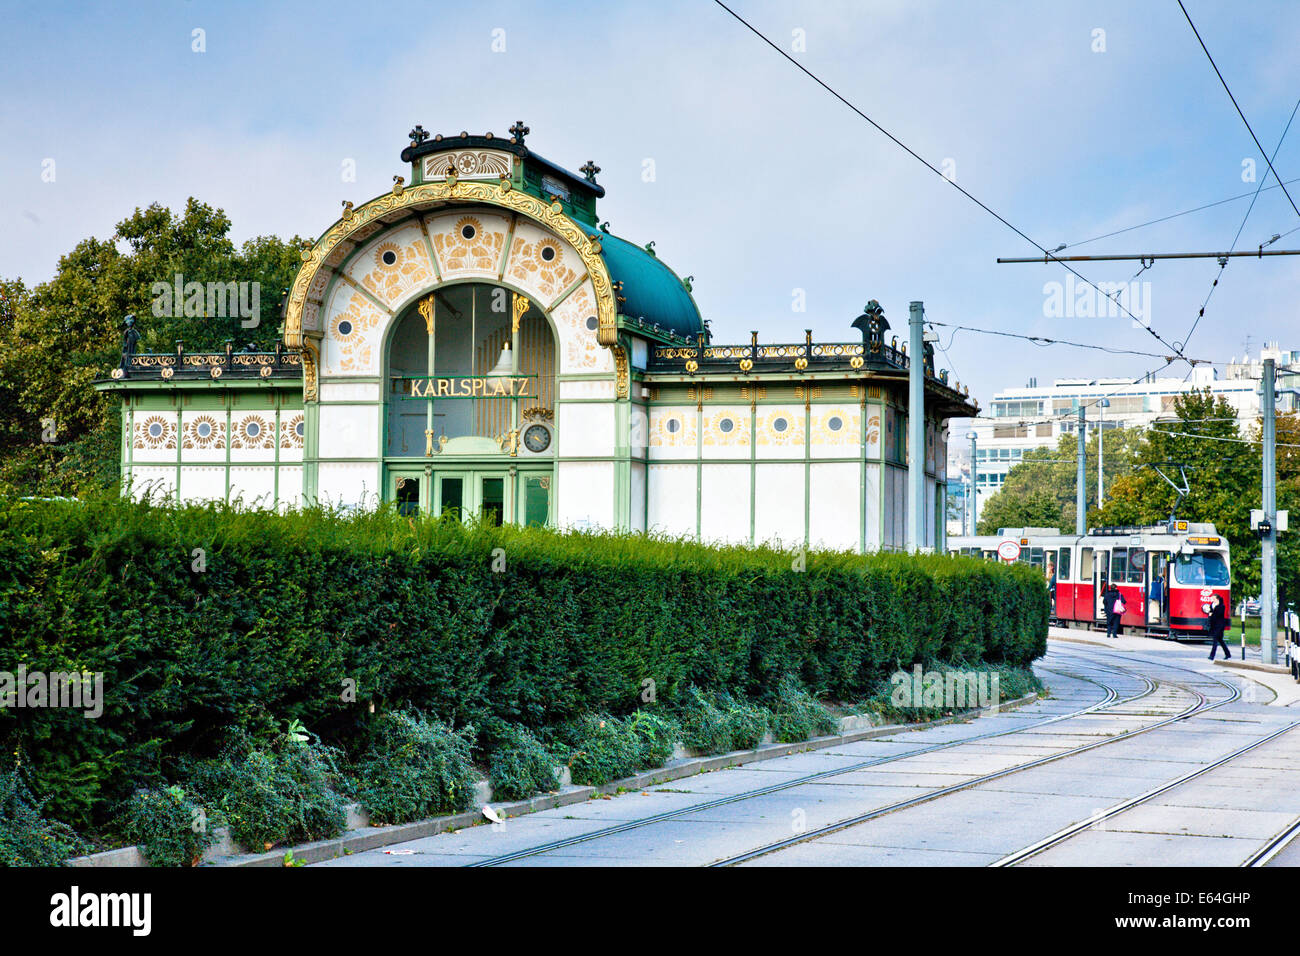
[{"x": 409, "y": 490}]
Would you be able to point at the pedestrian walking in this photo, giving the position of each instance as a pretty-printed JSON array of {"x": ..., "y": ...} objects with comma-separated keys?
[
  {"x": 1115, "y": 608},
  {"x": 1218, "y": 623}
]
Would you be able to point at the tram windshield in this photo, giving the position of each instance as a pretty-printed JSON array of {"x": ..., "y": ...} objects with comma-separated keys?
[{"x": 1204, "y": 568}]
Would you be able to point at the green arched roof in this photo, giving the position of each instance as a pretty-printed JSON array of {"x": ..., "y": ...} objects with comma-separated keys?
[{"x": 651, "y": 291}]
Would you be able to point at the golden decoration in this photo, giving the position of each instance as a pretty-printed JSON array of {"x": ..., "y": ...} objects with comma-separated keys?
[
  {"x": 428, "y": 443},
  {"x": 521, "y": 305},
  {"x": 429, "y": 194},
  {"x": 118, "y": 373},
  {"x": 216, "y": 371},
  {"x": 856, "y": 361},
  {"x": 166, "y": 373},
  {"x": 746, "y": 365},
  {"x": 425, "y": 309},
  {"x": 692, "y": 366},
  {"x": 510, "y": 438},
  {"x": 801, "y": 363},
  {"x": 309, "y": 356},
  {"x": 620, "y": 369}
]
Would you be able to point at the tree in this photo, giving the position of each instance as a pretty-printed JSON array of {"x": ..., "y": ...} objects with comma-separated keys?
[
  {"x": 1224, "y": 473},
  {"x": 1040, "y": 492},
  {"x": 58, "y": 434}
]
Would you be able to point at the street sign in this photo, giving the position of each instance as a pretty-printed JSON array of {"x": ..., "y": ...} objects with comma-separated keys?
[{"x": 1008, "y": 550}]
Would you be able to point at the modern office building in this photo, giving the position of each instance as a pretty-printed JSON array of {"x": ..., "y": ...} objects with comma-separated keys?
[{"x": 1034, "y": 416}]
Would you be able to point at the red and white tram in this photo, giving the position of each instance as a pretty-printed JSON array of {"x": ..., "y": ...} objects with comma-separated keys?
[{"x": 1166, "y": 573}]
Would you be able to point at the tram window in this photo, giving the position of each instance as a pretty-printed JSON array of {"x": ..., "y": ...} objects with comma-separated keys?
[
  {"x": 1204, "y": 568},
  {"x": 1085, "y": 564},
  {"x": 1119, "y": 565},
  {"x": 1063, "y": 566},
  {"x": 1137, "y": 561}
]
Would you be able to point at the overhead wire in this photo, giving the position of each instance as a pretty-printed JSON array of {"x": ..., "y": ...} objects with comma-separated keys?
[{"x": 930, "y": 166}]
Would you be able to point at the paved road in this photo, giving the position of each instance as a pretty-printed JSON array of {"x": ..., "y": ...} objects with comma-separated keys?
[{"x": 1138, "y": 758}]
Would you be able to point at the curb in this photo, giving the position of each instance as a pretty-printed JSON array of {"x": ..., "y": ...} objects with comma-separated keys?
[
  {"x": 355, "y": 841},
  {"x": 1253, "y": 666}
]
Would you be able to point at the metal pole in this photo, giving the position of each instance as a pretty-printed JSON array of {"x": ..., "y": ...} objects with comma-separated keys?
[
  {"x": 1101, "y": 430},
  {"x": 974, "y": 488},
  {"x": 916, "y": 426},
  {"x": 1257, "y": 254},
  {"x": 1081, "y": 481},
  {"x": 1268, "y": 546}
]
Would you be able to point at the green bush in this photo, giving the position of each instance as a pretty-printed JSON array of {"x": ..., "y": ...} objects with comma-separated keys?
[
  {"x": 291, "y": 605},
  {"x": 603, "y": 748},
  {"x": 797, "y": 715},
  {"x": 520, "y": 765},
  {"x": 280, "y": 793},
  {"x": 26, "y": 837},
  {"x": 170, "y": 829},
  {"x": 714, "y": 723},
  {"x": 415, "y": 767}
]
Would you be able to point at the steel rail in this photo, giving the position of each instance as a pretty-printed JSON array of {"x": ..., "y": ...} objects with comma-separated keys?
[
  {"x": 1110, "y": 699},
  {"x": 1073, "y": 829},
  {"x": 1202, "y": 704}
]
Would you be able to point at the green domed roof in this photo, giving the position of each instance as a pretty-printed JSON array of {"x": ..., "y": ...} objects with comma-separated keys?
[{"x": 651, "y": 291}]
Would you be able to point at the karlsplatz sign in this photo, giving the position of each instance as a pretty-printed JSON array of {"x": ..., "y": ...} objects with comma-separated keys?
[{"x": 472, "y": 386}]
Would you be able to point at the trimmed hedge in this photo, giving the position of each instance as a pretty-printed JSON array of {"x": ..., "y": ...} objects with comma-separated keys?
[{"x": 291, "y": 609}]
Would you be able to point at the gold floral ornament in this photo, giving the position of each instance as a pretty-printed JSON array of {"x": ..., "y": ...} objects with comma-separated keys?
[
  {"x": 801, "y": 363},
  {"x": 253, "y": 431},
  {"x": 204, "y": 431},
  {"x": 155, "y": 432},
  {"x": 293, "y": 431},
  {"x": 746, "y": 365}
]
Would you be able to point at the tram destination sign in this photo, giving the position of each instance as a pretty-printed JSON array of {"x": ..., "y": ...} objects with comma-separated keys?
[{"x": 469, "y": 386}]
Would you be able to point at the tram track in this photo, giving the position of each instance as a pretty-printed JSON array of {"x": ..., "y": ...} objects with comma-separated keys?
[
  {"x": 1202, "y": 703},
  {"x": 1111, "y": 699}
]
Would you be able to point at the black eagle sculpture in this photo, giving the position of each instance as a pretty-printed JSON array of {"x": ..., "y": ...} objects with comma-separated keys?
[{"x": 873, "y": 325}]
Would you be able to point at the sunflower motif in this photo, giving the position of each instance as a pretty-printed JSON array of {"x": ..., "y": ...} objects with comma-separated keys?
[
  {"x": 547, "y": 252},
  {"x": 203, "y": 431},
  {"x": 156, "y": 432},
  {"x": 388, "y": 256},
  {"x": 253, "y": 432},
  {"x": 292, "y": 431}
]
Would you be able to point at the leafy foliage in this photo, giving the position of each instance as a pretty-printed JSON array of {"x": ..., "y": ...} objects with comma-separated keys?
[
  {"x": 1040, "y": 492},
  {"x": 520, "y": 765},
  {"x": 603, "y": 748},
  {"x": 292, "y": 605},
  {"x": 167, "y": 825},
  {"x": 280, "y": 793},
  {"x": 415, "y": 767},
  {"x": 1225, "y": 477},
  {"x": 58, "y": 335},
  {"x": 26, "y": 837},
  {"x": 797, "y": 715}
]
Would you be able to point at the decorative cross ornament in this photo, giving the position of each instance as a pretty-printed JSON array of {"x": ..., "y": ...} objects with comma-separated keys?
[
  {"x": 589, "y": 170},
  {"x": 418, "y": 135},
  {"x": 519, "y": 131}
]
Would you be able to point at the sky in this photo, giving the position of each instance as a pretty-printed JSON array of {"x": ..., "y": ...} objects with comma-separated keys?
[{"x": 1070, "y": 119}]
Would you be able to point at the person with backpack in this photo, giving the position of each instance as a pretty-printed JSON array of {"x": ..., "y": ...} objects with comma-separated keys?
[
  {"x": 1115, "y": 608},
  {"x": 1218, "y": 624}
]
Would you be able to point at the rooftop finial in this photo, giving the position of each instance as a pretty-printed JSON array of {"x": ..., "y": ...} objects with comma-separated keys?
[
  {"x": 519, "y": 131},
  {"x": 418, "y": 135},
  {"x": 589, "y": 170}
]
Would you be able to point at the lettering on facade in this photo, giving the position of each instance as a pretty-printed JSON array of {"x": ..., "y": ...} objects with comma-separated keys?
[{"x": 466, "y": 386}]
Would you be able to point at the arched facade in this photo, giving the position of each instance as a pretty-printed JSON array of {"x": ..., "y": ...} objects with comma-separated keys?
[{"x": 476, "y": 340}]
